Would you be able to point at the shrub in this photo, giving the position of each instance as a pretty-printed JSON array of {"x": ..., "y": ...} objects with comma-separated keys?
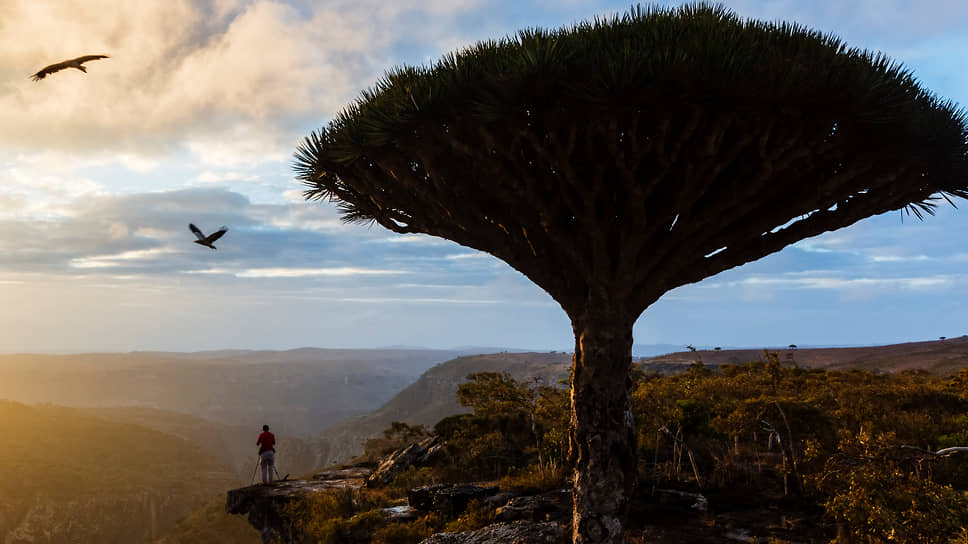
[
  {"x": 478, "y": 514},
  {"x": 333, "y": 516},
  {"x": 411, "y": 478},
  {"x": 535, "y": 477},
  {"x": 872, "y": 488},
  {"x": 408, "y": 533}
]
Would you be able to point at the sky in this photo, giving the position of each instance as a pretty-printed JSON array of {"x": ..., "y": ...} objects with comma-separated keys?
[{"x": 195, "y": 118}]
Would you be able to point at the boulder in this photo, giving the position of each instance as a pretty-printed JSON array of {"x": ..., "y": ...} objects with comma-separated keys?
[
  {"x": 499, "y": 499},
  {"x": 551, "y": 506},
  {"x": 518, "y": 532},
  {"x": 402, "y": 459},
  {"x": 450, "y": 500}
]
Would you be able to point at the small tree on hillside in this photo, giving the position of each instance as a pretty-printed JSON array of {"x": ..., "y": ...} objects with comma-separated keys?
[
  {"x": 494, "y": 394},
  {"x": 618, "y": 159}
]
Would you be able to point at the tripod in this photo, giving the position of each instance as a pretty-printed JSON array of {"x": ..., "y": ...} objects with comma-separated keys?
[{"x": 258, "y": 462}]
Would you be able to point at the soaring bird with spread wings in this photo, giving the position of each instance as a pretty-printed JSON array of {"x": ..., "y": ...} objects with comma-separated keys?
[
  {"x": 207, "y": 240},
  {"x": 73, "y": 63}
]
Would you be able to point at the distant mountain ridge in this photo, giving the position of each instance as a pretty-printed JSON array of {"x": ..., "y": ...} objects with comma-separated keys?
[
  {"x": 296, "y": 391},
  {"x": 937, "y": 356}
]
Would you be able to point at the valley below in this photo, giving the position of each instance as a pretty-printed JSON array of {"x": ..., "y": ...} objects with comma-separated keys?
[{"x": 142, "y": 447}]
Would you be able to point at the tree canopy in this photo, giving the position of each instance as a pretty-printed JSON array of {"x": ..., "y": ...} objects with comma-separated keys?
[{"x": 641, "y": 152}]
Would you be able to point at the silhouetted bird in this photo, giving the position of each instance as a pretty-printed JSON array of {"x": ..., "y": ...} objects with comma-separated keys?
[
  {"x": 73, "y": 63},
  {"x": 207, "y": 240}
]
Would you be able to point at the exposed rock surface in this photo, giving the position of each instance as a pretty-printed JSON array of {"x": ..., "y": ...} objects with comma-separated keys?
[
  {"x": 518, "y": 532},
  {"x": 415, "y": 454},
  {"x": 449, "y": 500},
  {"x": 353, "y": 477},
  {"x": 265, "y": 506},
  {"x": 551, "y": 506}
]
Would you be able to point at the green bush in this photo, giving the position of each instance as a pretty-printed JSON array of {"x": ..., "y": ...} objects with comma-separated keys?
[
  {"x": 339, "y": 515},
  {"x": 408, "y": 533},
  {"x": 412, "y": 478}
]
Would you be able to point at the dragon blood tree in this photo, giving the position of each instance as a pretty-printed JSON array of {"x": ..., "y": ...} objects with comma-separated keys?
[{"x": 615, "y": 160}]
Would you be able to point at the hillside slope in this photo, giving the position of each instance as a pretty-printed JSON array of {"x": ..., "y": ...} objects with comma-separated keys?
[
  {"x": 434, "y": 396},
  {"x": 70, "y": 477},
  {"x": 232, "y": 445},
  {"x": 297, "y": 391},
  {"x": 211, "y": 524}
]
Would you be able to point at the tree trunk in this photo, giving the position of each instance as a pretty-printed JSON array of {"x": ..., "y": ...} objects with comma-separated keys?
[{"x": 602, "y": 448}]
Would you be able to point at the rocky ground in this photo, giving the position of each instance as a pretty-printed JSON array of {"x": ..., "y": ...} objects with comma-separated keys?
[{"x": 658, "y": 515}]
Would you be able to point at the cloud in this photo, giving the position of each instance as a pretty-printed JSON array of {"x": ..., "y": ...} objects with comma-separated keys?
[
  {"x": 439, "y": 300},
  {"x": 209, "y": 176},
  {"x": 344, "y": 271},
  {"x": 107, "y": 261},
  {"x": 146, "y": 235},
  {"x": 473, "y": 255},
  {"x": 233, "y": 82},
  {"x": 916, "y": 283}
]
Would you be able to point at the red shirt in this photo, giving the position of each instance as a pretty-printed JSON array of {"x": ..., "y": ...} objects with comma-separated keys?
[{"x": 267, "y": 440}]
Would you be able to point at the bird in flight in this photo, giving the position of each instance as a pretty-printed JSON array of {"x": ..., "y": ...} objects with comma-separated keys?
[
  {"x": 72, "y": 63},
  {"x": 207, "y": 240}
]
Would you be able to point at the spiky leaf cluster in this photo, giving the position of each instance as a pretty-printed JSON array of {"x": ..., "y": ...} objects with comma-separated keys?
[{"x": 629, "y": 155}]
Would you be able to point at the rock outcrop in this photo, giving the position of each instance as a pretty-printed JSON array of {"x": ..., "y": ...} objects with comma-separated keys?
[
  {"x": 266, "y": 506},
  {"x": 353, "y": 477},
  {"x": 550, "y": 506},
  {"x": 518, "y": 532},
  {"x": 416, "y": 454},
  {"x": 450, "y": 500}
]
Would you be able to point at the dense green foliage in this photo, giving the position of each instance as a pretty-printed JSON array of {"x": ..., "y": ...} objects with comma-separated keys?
[{"x": 858, "y": 444}]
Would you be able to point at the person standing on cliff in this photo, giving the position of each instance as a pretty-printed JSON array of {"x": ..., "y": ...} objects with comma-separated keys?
[{"x": 267, "y": 454}]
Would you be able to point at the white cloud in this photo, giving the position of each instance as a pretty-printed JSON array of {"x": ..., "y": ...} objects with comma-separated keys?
[
  {"x": 465, "y": 256},
  {"x": 309, "y": 216},
  {"x": 440, "y": 300},
  {"x": 310, "y": 272},
  {"x": 279, "y": 272},
  {"x": 234, "y": 82},
  {"x": 910, "y": 283},
  {"x": 900, "y": 258},
  {"x": 118, "y": 259},
  {"x": 209, "y": 176},
  {"x": 414, "y": 239}
]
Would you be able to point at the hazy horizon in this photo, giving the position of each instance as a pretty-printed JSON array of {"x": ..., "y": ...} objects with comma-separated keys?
[{"x": 470, "y": 349}]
